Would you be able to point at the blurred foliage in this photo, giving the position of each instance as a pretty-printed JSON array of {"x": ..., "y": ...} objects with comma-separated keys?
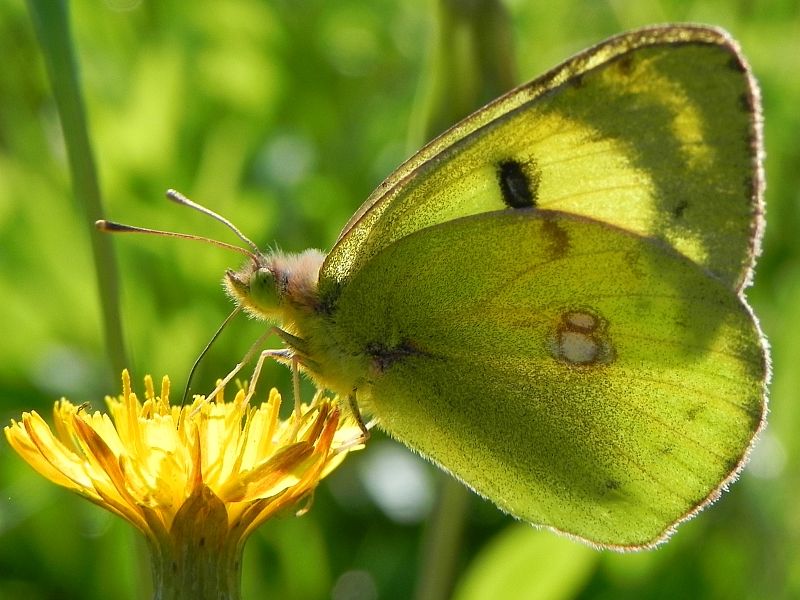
[{"x": 283, "y": 116}]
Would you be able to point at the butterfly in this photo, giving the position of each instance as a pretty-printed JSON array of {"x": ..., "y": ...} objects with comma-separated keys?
[{"x": 547, "y": 300}]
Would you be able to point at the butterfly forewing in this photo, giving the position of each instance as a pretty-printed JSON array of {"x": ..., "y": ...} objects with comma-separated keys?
[{"x": 655, "y": 131}]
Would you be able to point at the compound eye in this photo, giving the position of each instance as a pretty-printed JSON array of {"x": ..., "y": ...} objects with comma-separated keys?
[
  {"x": 263, "y": 288},
  {"x": 264, "y": 275}
]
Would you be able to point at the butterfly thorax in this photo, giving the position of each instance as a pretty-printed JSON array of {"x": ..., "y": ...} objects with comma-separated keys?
[{"x": 282, "y": 289}]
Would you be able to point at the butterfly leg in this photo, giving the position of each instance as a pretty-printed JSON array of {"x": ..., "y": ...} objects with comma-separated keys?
[
  {"x": 281, "y": 354},
  {"x": 356, "y": 411},
  {"x": 296, "y": 385},
  {"x": 296, "y": 393},
  {"x": 364, "y": 427}
]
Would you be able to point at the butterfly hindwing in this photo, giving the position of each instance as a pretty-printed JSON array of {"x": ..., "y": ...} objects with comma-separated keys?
[{"x": 581, "y": 376}]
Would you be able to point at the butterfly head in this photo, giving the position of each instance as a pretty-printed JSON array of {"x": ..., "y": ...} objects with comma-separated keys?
[
  {"x": 256, "y": 288},
  {"x": 272, "y": 286}
]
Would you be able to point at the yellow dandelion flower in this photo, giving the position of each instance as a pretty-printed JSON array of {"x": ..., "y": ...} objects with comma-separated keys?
[{"x": 195, "y": 479}]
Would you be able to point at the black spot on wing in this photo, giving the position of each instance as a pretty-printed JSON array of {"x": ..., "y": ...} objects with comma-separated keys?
[
  {"x": 624, "y": 64},
  {"x": 693, "y": 412},
  {"x": 519, "y": 183},
  {"x": 576, "y": 81},
  {"x": 734, "y": 64},
  {"x": 557, "y": 237},
  {"x": 680, "y": 208},
  {"x": 746, "y": 103}
]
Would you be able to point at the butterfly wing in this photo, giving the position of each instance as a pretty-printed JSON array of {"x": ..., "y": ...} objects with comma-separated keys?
[
  {"x": 656, "y": 131},
  {"x": 581, "y": 376}
]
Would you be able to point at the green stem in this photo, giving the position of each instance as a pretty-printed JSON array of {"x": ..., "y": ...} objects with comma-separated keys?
[
  {"x": 201, "y": 559},
  {"x": 471, "y": 62},
  {"x": 442, "y": 541},
  {"x": 51, "y": 22}
]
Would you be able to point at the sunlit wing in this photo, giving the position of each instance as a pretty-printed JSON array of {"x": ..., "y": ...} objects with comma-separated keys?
[
  {"x": 656, "y": 131},
  {"x": 582, "y": 377}
]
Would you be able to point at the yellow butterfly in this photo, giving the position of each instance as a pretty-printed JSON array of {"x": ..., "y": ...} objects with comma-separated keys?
[{"x": 547, "y": 300}]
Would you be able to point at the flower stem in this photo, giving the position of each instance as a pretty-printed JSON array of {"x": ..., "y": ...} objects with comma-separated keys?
[
  {"x": 442, "y": 541},
  {"x": 51, "y": 22},
  {"x": 200, "y": 560},
  {"x": 470, "y": 62}
]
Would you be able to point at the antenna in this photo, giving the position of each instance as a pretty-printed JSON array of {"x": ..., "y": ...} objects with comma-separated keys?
[
  {"x": 179, "y": 198},
  {"x": 114, "y": 227}
]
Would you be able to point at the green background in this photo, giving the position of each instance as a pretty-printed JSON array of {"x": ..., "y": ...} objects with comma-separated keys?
[{"x": 283, "y": 116}]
